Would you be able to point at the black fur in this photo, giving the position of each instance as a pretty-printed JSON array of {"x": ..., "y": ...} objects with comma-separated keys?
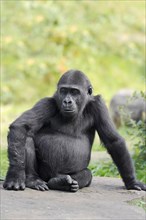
[{"x": 50, "y": 144}]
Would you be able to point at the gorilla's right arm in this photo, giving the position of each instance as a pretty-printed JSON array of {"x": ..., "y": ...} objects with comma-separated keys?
[{"x": 25, "y": 126}]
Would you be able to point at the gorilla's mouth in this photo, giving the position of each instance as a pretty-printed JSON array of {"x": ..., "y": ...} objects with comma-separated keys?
[{"x": 69, "y": 110}]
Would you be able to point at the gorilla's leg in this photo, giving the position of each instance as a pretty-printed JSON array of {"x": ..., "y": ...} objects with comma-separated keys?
[
  {"x": 71, "y": 182},
  {"x": 32, "y": 179},
  {"x": 64, "y": 183},
  {"x": 83, "y": 178}
]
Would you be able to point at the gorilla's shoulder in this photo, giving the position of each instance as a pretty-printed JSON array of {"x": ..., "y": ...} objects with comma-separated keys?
[
  {"x": 46, "y": 102},
  {"x": 98, "y": 97}
]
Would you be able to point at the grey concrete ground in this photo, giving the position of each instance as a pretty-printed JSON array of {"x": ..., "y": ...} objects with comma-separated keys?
[{"x": 105, "y": 199}]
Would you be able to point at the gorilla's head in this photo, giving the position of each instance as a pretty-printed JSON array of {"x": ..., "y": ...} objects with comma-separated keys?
[{"x": 74, "y": 91}]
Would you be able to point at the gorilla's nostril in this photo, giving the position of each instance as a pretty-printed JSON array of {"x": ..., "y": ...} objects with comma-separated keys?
[{"x": 67, "y": 102}]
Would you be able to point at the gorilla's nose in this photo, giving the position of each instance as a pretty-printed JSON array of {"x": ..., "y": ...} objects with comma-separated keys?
[{"x": 67, "y": 102}]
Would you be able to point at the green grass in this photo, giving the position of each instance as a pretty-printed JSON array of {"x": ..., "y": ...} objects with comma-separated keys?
[
  {"x": 139, "y": 202},
  {"x": 104, "y": 168},
  {"x": 3, "y": 163}
]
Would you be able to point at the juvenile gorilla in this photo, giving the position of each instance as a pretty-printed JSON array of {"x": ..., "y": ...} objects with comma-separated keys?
[{"x": 49, "y": 146}]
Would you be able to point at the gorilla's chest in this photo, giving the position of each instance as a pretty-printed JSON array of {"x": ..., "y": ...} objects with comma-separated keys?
[
  {"x": 67, "y": 146},
  {"x": 65, "y": 154},
  {"x": 67, "y": 128}
]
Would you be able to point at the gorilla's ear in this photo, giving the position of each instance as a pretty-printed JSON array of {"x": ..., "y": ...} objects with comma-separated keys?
[{"x": 90, "y": 90}]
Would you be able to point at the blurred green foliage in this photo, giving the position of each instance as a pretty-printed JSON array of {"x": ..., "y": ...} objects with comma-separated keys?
[
  {"x": 3, "y": 163},
  {"x": 104, "y": 168},
  {"x": 137, "y": 132},
  {"x": 139, "y": 150},
  {"x": 139, "y": 202},
  {"x": 42, "y": 39}
]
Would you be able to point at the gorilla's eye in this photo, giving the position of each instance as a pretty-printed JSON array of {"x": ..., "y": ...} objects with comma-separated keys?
[
  {"x": 63, "y": 91},
  {"x": 75, "y": 92},
  {"x": 90, "y": 90}
]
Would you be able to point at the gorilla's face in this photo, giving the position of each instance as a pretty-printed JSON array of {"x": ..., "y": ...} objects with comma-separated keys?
[
  {"x": 70, "y": 100},
  {"x": 73, "y": 93}
]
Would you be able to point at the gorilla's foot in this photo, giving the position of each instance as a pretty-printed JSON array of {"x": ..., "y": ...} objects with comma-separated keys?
[
  {"x": 14, "y": 184},
  {"x": 15, "y": 180},
  {"x": 36, "y": 183},
  {"x": 64, "y": 183}
]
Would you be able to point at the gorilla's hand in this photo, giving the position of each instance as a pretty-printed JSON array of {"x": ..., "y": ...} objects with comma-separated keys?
[
  {"x": 137, "y": 186},
  {"x": 15, "y": 180}
]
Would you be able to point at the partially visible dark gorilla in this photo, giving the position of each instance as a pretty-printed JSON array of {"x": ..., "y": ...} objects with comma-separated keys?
[
  {"x": 134, "y": 107},
  {"x": 50, "y": 144}
]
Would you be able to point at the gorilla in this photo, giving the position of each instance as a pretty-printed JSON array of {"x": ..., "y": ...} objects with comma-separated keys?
[{"x": 49, "y": 146}]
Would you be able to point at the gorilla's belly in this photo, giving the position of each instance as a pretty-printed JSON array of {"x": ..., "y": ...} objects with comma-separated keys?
[{"x": 63, "y": 154}]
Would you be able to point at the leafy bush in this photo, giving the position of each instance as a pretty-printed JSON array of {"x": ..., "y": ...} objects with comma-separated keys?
[
  {"x": 102, "y": 168},
  {"x": 139, "y": 151},
  {"x": 137, "y": 132}
]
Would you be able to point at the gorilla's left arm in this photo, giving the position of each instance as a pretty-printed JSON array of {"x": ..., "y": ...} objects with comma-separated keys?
[{"x": 115, "y": 145}]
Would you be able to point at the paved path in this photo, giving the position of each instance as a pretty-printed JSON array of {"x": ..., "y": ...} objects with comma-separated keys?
[{"x": 105, "y": 199}]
